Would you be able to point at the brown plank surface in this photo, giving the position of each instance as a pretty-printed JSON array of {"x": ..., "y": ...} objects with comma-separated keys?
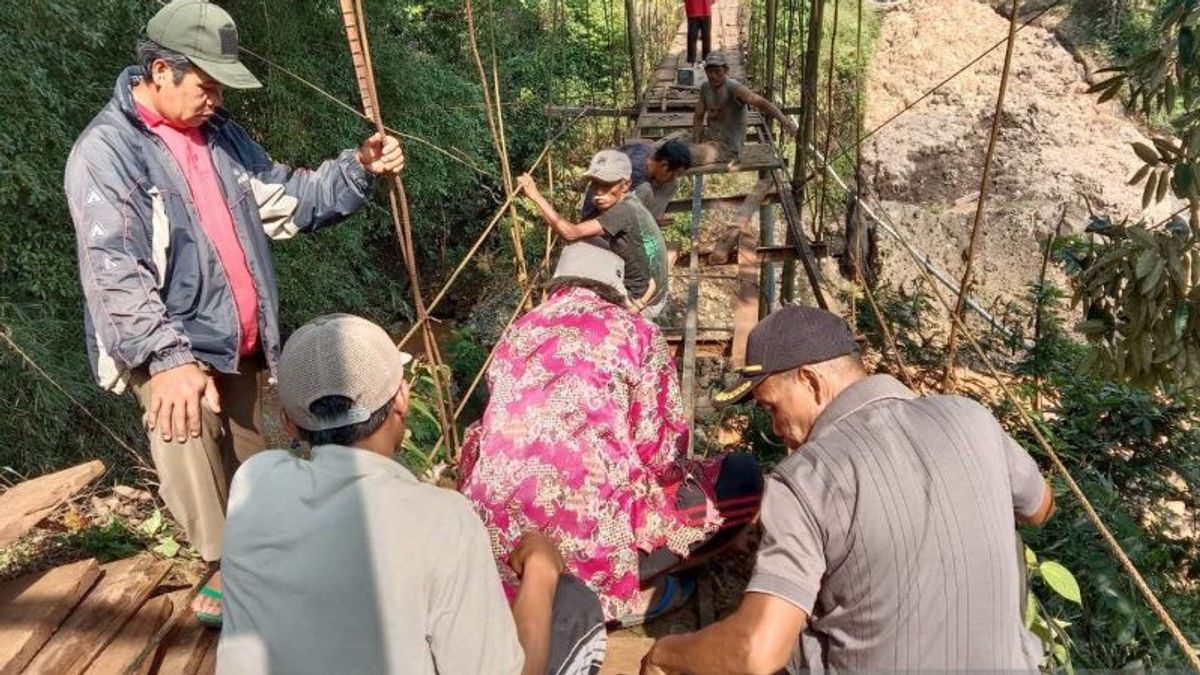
[
  {"x": 87, "y": 631},
  {"x": 754, "y": 156},
  {"x": 33, "y": 606},
  {"x": 24, "y": 506},
  {"x": 682, "y": 119},
  {"x": 122, "y": 651},
  {"x": 187, "y": 645},
  {"x": 745, "y": 312}
]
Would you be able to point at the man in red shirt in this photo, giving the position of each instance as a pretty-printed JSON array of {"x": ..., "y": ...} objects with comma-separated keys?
[
  {"x": 174, "y": 206},
  {"x": 699, "y": 25}
]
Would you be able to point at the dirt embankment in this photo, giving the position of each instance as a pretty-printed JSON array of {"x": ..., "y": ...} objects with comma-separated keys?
[{"x": 1056, "y": 145}]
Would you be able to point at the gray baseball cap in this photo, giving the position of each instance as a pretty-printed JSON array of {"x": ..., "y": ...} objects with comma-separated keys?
[
  {"x": 339, "y": 355},
  {"x": 609, "y": 166},
  {"x": 207, "y": 36},
  {"x": 788, "y": 338},
  {"x": 715, "y": 59},
  {"x": 588, "y": 261}
]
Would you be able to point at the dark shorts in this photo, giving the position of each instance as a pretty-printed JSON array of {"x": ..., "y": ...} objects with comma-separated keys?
[
  {"x": 738, "y": 490},
  {"x": 577, "y": 637}
]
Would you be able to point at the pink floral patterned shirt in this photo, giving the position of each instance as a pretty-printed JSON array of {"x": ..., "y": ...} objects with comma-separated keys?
[{"x": 584, "y": 438}]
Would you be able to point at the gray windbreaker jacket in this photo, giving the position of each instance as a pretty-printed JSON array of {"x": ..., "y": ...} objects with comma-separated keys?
[{"x": 156, "y": 292}]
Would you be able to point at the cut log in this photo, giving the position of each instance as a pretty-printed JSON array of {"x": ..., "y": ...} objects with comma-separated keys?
[
  {"x": 121, "y": 591},
  {"x": 128, "y": 644},
  {"x": 27, "y": 504},
  {"x": 186, "y": 646},
  {"x": 35, "y": 605}
]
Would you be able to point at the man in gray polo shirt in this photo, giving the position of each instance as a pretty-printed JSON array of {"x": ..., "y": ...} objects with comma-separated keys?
[{"x": 888, "y": 533}]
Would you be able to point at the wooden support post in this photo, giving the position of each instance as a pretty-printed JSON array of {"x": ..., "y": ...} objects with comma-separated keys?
[
  {"x": 635, "y": 54},
  {"x": 687, "y": 380},
  {"x": 808, "y": 108},
  {"x": 766, "y": 272},
  {"x": 771, "y": 36}
]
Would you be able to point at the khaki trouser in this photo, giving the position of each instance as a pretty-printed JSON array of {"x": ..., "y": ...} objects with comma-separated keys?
[
  {"x": 711, "y": 151},
  {"x": 194, "y": 476}
]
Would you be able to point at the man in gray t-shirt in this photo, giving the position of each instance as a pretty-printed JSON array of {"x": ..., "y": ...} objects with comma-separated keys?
[
  {"x": 719, "y": 127},
  {"x": 888, "y": 533}
]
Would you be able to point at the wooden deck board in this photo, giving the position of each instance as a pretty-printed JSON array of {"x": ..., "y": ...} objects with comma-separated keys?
[
  {"x": 24, "y": 506},
  {"x": 87, "y": 631},
  {"x": 35, "y": 605}
]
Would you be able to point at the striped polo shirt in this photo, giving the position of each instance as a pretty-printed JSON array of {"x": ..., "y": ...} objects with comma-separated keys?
[{"x": 892, "y": 527}]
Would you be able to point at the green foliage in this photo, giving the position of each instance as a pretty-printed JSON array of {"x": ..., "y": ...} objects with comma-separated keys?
[
  {"x": 1141, "y": 302},
  {"x": 1056, "y": 644},
  {"x": 56, "y": 80}
]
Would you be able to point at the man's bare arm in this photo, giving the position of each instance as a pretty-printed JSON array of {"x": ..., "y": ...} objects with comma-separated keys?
[
  {"x": 1044, "y": 510},
  {"x": 698, "y": 120},
  {"x": 538, "y": 563},
  {"x": 562, "y": 227},
  {"x": 758, "y": 638},
  {"x": 766, "y": 107}
]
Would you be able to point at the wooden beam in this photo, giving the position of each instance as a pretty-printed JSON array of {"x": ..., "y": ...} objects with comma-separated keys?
[
  {"x": 588, "y": 111},
  {"x": 732, "y": 201},
  {"x": 24, "y": 506},
  {"x": 87, "y": 631},
  {"x": 35, "y": 605},
  {"x": 687, "y": 381},
  {"x": 754, "y": 156},
  {"x": 782, "y": 253}
]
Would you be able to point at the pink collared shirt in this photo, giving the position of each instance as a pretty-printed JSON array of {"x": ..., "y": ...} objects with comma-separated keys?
[{"x": 190, "y": 151}]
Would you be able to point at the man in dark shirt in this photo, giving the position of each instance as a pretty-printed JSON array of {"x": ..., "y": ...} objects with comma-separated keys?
[
  {"x": 655, "y": 170},
  {"x": 623, "y": 225}
]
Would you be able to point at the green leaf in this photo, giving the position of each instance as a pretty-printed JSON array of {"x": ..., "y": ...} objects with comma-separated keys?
[
  {"x": 1148, "y": 192},
  {"x": 153, "y": 524},
  {"x": 1030, "y": 608},
  {"x": 167, "y": 547},
  {"x": 1061, "y": 581},
  {"x": 1140, "y": 175},
  {"x": 1146, "y": 153},
  {"x": 1030, "y": 557}
]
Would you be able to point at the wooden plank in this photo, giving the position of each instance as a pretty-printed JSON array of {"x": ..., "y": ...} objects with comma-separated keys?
[
  {"x": 754, "y": 156},
  {"x": 209, "y": 665},
  {"x": 128, "y": 644},
  {"x": 27, "y": 504},
  {"x": 186, "y": 647},
  {"x": 681, "y": 119},
  {"x": 35, "y": 605},
  {"x": 121, "y": 591},
  {"x": 732, "y": 201},
  {"x": 783, "y": 252},
  {"x": 687, "y": 379}
]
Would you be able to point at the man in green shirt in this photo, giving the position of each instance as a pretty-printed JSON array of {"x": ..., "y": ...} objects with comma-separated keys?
[{"x": 622, "y": 224}]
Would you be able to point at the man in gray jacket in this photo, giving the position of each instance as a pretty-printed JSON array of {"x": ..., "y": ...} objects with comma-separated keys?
[{"x": 173, "y": 206}]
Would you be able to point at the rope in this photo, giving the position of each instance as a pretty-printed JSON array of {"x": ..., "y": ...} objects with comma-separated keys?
[
  {"x": 6, "y": 334},
  {"x": 981, "y": 203},
  {"x": 356, "y": 36},
  {"x": 487, "y": 230}
]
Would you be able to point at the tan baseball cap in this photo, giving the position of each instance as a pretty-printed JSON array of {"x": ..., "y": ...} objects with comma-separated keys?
[
  {"x": 339, "y": 355},
  {"x": 609, "y": 166},
  {"x": 207, "y": 36}
]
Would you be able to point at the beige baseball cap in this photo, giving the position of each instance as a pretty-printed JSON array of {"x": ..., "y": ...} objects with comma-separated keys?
[
  {"x": 609, "y": 166},
  {"x": 339, "y": 355},
  {"x": 584, "y": 260}
]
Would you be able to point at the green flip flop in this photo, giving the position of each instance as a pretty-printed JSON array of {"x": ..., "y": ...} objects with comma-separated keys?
[{"x": 207, "y": 618}]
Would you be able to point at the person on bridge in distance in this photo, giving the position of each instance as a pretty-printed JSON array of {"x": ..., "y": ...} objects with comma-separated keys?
[
  {"x": 699, "y": 27},
  {"x": 719, "y": 127},
  {"x": 888, "y": 533},
  {"x": 584, "y": 438},
  {"x": 339, "y": 561},
  {"x": 655, "y": 168},
  {"x": 174, "y": 205},
  {"x": 622, "y": 223}
]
